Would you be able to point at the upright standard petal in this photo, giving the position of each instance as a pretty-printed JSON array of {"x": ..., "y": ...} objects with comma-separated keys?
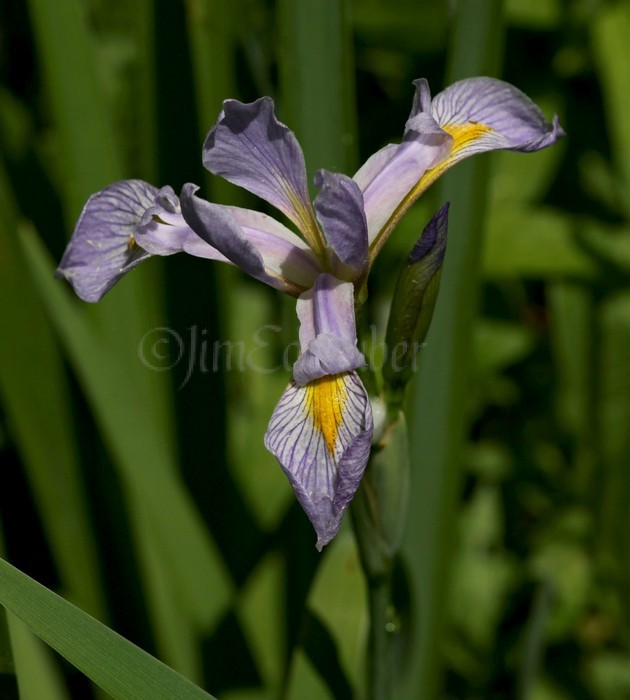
[
  {"x": 321, "y": 434},
  {"x": 251, "y": 148},
  {"x": 340, "y": 211},
  {"x": 328, "y": 339},
  {"x": 103, "y": 247},
  {"x": 255, "y": 242},
  {"x": 386, "y": 177}
]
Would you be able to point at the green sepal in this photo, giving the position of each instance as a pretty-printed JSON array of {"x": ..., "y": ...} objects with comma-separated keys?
[{"x": 412, "y": 306}]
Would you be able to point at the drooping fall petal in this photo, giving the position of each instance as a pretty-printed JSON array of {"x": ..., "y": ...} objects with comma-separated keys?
[{"x": 321, "y": 434}]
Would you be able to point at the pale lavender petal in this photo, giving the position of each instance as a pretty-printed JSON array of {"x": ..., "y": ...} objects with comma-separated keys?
[
  {"x": 321, "y": 434},
  {"x": 328, "y": 339},
  {"x": 388, "y": 176},
  {"x": 251, "y": 148},
  {"x": 103, "y": 247},
  {"x": 326, "y": 355},
  {"x": 484, "y": 114},
  {"x": 256, "y": 243},
  {"x": 164, "y": 231},
  {"x": 340, "y": 211}
]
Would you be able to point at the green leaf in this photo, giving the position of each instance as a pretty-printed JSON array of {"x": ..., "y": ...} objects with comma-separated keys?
[
  {"x": 439, "y": 419},
  {"x": 39, "y": 678},
  {"x": 115, "y": 664},
  {"x": 612, "y": 54},
  {"x": 35, "y": 399},
  {"x": 316, "y": 65},
  {"x": 157, "y": 498},
  {"x": 89, "y": 155},
  {"x": 533, "y": 243},
  {"x": 8, "y": 680},
  {"x": 339, "y": 599},
  {"x": 304, "y": 683}
]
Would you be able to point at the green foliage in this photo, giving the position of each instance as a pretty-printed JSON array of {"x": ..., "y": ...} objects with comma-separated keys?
[{"x": 135, "y": 483}]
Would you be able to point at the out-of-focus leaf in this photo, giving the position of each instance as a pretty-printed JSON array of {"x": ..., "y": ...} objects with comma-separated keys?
[
  {"x": 259, "y": 610},
  {"x": 304, "y": 682},
  {"x": 572, "y": 316},
  {"x": 611, "y": 28},
  {"x": 38, "y": 677},
  {"x": 8, "y": 679},
  {"x": 566, "y": 569},
  {"x": 316, "y": 65},
  {"x": 533, "y": 243},
  {"x": 609, "y": 675},
  {"x": 35, "y": 399},
  {"x": 89, "y": 162},
  {"x": 258, "y": 371},
  {"x": 400, "y": 26},
  {"x": 119, "y": 667},
  {"x": 524, "y": 180},
  {"x": 438, "y": 422},
  {"x": 609, "y": 243},
  {"x": 613, "y": 418},
  {"x": 500, "y": 344},
  {"x": 145, "y": 459},
  {"x": 483, "y": 572},
  {"x": 543, "y": 14},
  {"x": 545, "y": 690},
  {"x": 339, "y": 599}
]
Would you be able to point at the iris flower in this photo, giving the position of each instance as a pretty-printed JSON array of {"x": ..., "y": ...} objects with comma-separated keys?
[{"x": 321, "y": 429}]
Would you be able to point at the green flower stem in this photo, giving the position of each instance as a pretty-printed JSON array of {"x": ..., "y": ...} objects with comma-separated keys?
[
  {"x": 378, "y": 573},
  {"x": 378, "y": 511}
]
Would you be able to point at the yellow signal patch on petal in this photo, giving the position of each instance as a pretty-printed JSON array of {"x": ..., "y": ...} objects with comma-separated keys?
[
  {"x": 463, "y": 134},
  {"x": 325, "y": 400}
]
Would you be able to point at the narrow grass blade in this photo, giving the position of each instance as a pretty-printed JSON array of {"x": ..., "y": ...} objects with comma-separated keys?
[
  {"x": 8, "y": 679},
  {"x": 119, "y": 667},
  {"x": 38, "y": 676},
  {"x": 35, "y": 400},
  {"x": 612, "y": 53},
  {"x": 145, "y": 459},
  {"x": 439, "y": 400},
  {"x": 316, "y": 70},
  {"x": 85, "y": 136}
]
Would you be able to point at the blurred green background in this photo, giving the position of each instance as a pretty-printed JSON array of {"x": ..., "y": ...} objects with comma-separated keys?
[{"x": 133, "y": 479}]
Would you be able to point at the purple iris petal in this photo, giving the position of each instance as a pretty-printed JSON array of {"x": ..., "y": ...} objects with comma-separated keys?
[
  {"x": 321, "y": 434},
  {"x": 340, "y": 211},
  {"x": 164, "y": 231},
  {"x": 328, "y": 340},
  {"x": 103, "y": 248},
  {"x": 511, "y": 119},
  {"x": 388, "y": 175},
  {"x": 432, "y": 242},
  {"x": 256, "y": 243},
  {"x": 251, "y": 148}
]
